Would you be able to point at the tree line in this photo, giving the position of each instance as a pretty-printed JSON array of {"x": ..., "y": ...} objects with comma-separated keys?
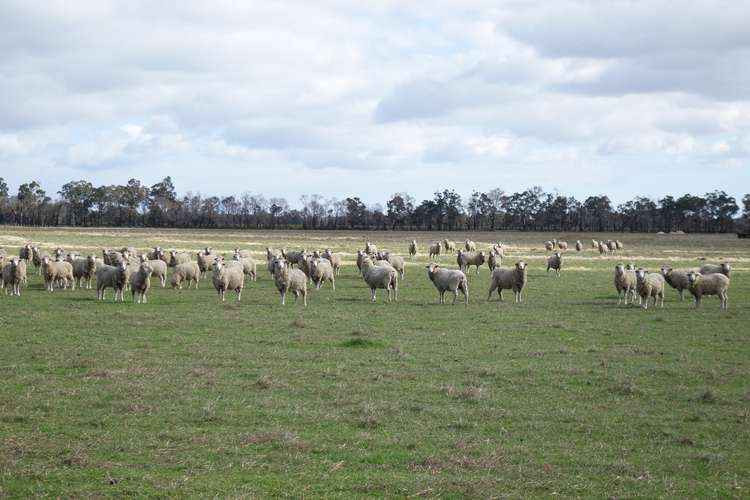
[{"x": 80, "y": 203}]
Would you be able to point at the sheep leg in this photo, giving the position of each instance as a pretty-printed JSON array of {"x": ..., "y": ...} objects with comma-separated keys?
[
  {"x": 455, "y": 296},
  {"x": 373, "y": 295},
  {"x": 304, "y": 298},
  {"x": 283, "y": 297},
  {"x": 239, "y": 294}
]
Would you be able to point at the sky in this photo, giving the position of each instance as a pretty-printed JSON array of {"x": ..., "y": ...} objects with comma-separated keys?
[{"x": 366, "y": 99}]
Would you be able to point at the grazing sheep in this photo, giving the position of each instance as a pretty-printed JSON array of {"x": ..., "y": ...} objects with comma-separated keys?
[
  {"x": 395, "y": 261},
  {"x": 293, "y": 257},
  {"x": 507, "y": 278},
  {"x": 449, "y": 246},
  {"x": 140, "y": 282},
  {"x": 158, "y": 269},
  {"x": 14, "y": 275},
  {"x": 205, "y": 262},
  {"x": 709, "y": 284},
  {"x": 549, "y": 246},
  {"x": 467, "y": 259},
  {"x": 555, "y": 262},
  {"x": 334, "y": 259},
  {"x": 380, "y": 277},
  {"x": 177, "y": 258},
  {"x": 288, "y": 279},
  {"x": 625, "y": 282},
  {"x": 562, "y": 245},
  {"x": 723, "y": 268},
  {"x": 370, "y": 249},
  {"x": 111, "y": 276},
  {"x": 84, "y": 269},
  {"x": 249, "y": 267},
  {"x": 435, "y": 249},
  {"x": 448, "y": 280},
  {"x": 494, "y": 260},
  {"x": 649, "y": 285},
  {"x": 676, "y": 279},
  {"x": 470, "y": 246},
  {"x": 321, "y": 271},
  {"x": 413, "y": 248},
  {"x": 579, "y": 246},
  {"x": 188, "y": 271},
  {"x": 227, "y": 278},
  {"x": 57, "y": 271}
]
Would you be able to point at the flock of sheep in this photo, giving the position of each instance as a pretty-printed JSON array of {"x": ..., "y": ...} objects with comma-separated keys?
[{"x": 292, "y": 270}]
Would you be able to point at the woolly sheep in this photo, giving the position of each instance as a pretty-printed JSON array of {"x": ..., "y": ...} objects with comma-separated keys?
[
  {"x": 177, "y": 258},
  {"x": 435, "y": 249},
  {"x": 370, "y": 249},
  {"x": 649, "y": 285},
  {"x": 158, "y": 269},
  {"x": 111, "y": 276},
  {"x": 549, "y": 246},
  {"x": 554, "y": 262},
  {"x": 723, "y": 268},
  {"x": 602, "y": 247},
  {"x": 14, "y": 275},
  {"x": 676, "y": 279},
  {"x": 140, "y": 282},
  {"x": 494, "y": 260},
  {"x": 413, "y": 248},
  {"x": 321, "y": 271},
  {"x": 36, "y": 258},
  {"x": 294, "y": 256},
  {"x": 360, "y": 257},
  {"x": 288, "y": 279},
  {"x": 271, "y": 255},
  {"x": 156, "y": 253},
  {"x": 562, "y": 245},
  {"x": 448, "y": 280},
  {"x": 611, "y": 245},
  {"x": 205, "y": 262},
  {"x": 242, "y": 253},
  {"x": 227, "y": 278},
  {"x": 249, "y": 267},
  {"x": 579, "y": 246},
  {"x": 25, "y": 253},
  {"x": 619, "y": 245},
  {"x": 509, "y": 278},
  {"x": 380, "y": 277},
  {"x": 709, "y": 284},
  {"x": 470, "y": 246},
  {"x": 449, "y": 246},
  {"x": 625, "y": 284},
  {"x": 594, "y": 244},
  {"x": 334, "y": 259},
  {"x": 395, "y": 261},
  {"x": 55, "y": 271},
  {"x": 187, "y": 271},
  {"x": 467, "y": 259},
  {"x": 84, "y": 269}
]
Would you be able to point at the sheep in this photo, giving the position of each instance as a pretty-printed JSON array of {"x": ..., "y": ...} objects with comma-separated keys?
[
  {"x": 84, "y": 269},
  {"x": 435, "y": 249},
  {"x": 205, "y": 262},
  {"x": 288, "y": 279},
  {"x": 549, "y": 246},
  {"x": 514, "y": 278},
  {"x": 649, "y": 285},
  {"x": 248, "y": 266},
  {"x": 370, "y": 249},
  {"x": 413, "y": 248},
  {"x": 227, "y": 278},
  {"x": 625, "y": 281},
  {"x": 448, "y": 280},
  {"x": 449, "y": 246},
  {"x": 114, "y": 257},
  {"x": 14, "y": 275},
  {"x": 611, "y": 245},
  {"x": 494, "y": 260},
  {"x": 676, "y": 279},
  {"x": 111, "y": 276},
  {"x": 619, "y": 245},
  {"x": 360, "y": 257},
  {"x": 54, "y": 271},
  {"x": 380, "y": 277},
  {"x": 395, "y": 261},
  {"x": 467, "y": 259},
  {"x": 723, "y": 268},
  {"x": 602, "y": 247},
  {"x": 320, "y": 271},
  {"x": 187, "y": 271},
  {"x": 555, "y": 262},
  {"x": 293, "y": 257},
  {"x": 242, "y": 253},
  {"x": 177, "y": 258},
  {"x": 497, "y": 249},
  {"x": 334, "y": 259},
  {"x": 709, "y": 284},
  {"x": 271, "y": 255},
  {"x": 562, "y": 245},
  {"x": 140, "y": 282},
  {"x": 36, "y": 258},
  {"x": 594, "y": 244},
  {"x": 579, "y": 246},
  {"x": 129, "y": 250},
  {"x": 25, "y": 253},
  {"x": 156, "y": 253},
  {"x": 470, "y": 246},
  {"x": 158, "y": 269}
]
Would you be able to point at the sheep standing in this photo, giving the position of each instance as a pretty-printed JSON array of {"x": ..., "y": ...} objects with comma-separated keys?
[
  {"x": 271, "y": 255},
  {"x": 25, "y": 253},
  {"x": 579, "y": 246},
  {"x": 156, "y": 253},
  {"x": 649, "y": 285},
  {"x": 611, "y": 245},
  {"x": 249, "y": 267},
  {"x": 177, "y": 258},
  {"x": 227, "y": 278},
  {"x": 242, "y": 253},
  {"x": 619, "y": 245},
  {"x": 448, "y": 280},
  {"x": 111, "y": 276},
  {"x": 555, "y": 262},
  {"x": 494, "y": 260},
  {"x": 334, "y": 259},
  {"x": 562, "y": 245},
  {"x": 293, "y": 256},
  {"x": 380, "y": 277},
  {"x": 288, "y": 279},
  {"x": 676, "y": 279},
  {"x": 321, "y": 271},
  {"x": 723, "y": 268},
  {"x": 360, "y": 257},
  {"x": 158, "y": 269},
  {"x": 36, "y": 258},
  {"x": 413, "y": 248},
  {"x": 594, "y": 244},
  {"x": 83, "y": 270},
  {"x": 467, "y": 259},
  {"x": 140, "y": 282},
  {"x": 507, "y": 278},
  {"x": 602, "y": 247},
  {"x": 435, "y": 249},
  {"x": 625, "y": 283},
  {"x": 549, "y": 246},
  {"x": 709, "y": 284},
  {"x": 450, "y": 246},
  {"x": 370, "y": 249},
  {"x": 187, "y": 271},
  {"x": 470, "y": 246},
  {"x": 14, "y": 275},
  {"x": 57, "y": 271},
  {"x": 205, "y": 262},
  {"x": 395, "y": 261}
]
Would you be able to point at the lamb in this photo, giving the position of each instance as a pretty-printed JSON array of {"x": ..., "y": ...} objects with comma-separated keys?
[
  {"x": 111, "y": 276},
  {"x": 140, "y": 282},
  {"x": 57, "y": 271},
  {"x": 549, "y": 246},
  {"x": 177, "y": 258},
  {"x": 370, "y": 249},
  {"x": 288, "y": 279},
  {"x": 509, "y": 278},
  {"x": 625, "y": 281},
  {"x": 709, "y": 284},
  {"x": 205, "y": 262},
  {"x": 449, "y": 246},
  {"x": 554, "y": 262},
  {"x": 579, "y": 246},
  {"x": 187, "y": 271},
  {"x": 13, "y": 275},
  {"x": 678, "y": 280},
  {"x": 470, "y": 246},
  {"x": 467, "y": 259},
  {"x": 334, "y": 259},
  {"x": 395, "y": 261},
  {"x": 723, "y": 268},
  {"x": 248, "y": 266},
  {"x": 158, "y": 269},
  {"x": 448, "y": 280},
  {"x": 227, "y": 278},
  {"x": 320, "y": 271},
  {"x": 562, "y": 245},
  {"x": 293, "y": 257},
  {"x": 649, "y": 285},
  {"x": 380, "y": 277},
  {"x": 413, "y": 248},
  {"x": 84, "y": 269},
  {"x": 435, "y": 249},
  {"x": 494, "y": 260}
]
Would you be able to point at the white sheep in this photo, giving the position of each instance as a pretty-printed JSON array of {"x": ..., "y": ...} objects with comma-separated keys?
[
  {"x": 594, "y": 244},
  {"x": 470, "y": 246},
  {"x": 579, "y": 246},
  {"x": 413, "y": 248},
  {"x": 177, "y": 258},
  {"x": 249, "y": 267},
  {"x": 562, "y": 245},
  {"x": 678, "y": 280},
  {"x": 649, "y": 285},
  {"x": 450, "y": 246},
  {"x": 14, "y": 275},
  {"x": 360, "y": 257},
  {"x": 205, "y": 262},
  {"x": 709, "y": 284},
  {"x": 156, "y": 253},
  {"x": 723, "y": 268},
  {"x": 555, "y": 262},
  {"x": 288, "y": 279},
  {"x": 611, "y": 245},
  {"x": 227, "y": 278},
  {"x": 84, "y": 269},
  {"x": 140, "y": 282},
  {"x": 187, "y": 271},
  {"x": 549, "y": 246},
  {"x": 467, "y": 259},
  {"x": 294, "y": 256},
  {"x": 36, "y": 257},
  {"x": 57, "y": 271},
  {"x": 111, "y": 276},
  {"x": 380, "y": 277},
  {"x": 435, "y": 249},
  {"x": 25, "y": 253},
  {"x": 494, "y": 260},
  {"x": 334, "y": 259},
  {"x": 321, "y": 270},
  {"x": 158, "y": 269},
  {"x": 625, "y": 284},
  {"x": 370, "y": 248},
  {"x": 619, "y": 245},
  {"x": 509, "y": 278},
  {"x": 603, "y": 247},
  {"x": 242, "y": 253},
  {"x": 271, "y": 255},
  {"x": 396, "y": 261},
  {"x": 448, "y": 280}
]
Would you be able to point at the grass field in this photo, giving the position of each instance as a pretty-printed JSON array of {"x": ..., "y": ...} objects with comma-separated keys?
[{"x": 566, "y": 394}]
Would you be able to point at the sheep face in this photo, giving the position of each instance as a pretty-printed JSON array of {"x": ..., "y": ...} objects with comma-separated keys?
[
  {"x": 620, "y": 269},
  {"x": 520, "y": 265},
  {"x": 693, "y": 277}
]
